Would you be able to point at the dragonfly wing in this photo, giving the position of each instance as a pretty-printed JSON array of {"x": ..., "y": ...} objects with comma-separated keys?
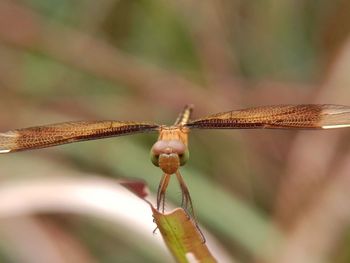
[
  {"x": 304, "y": 116},
  {"x": 68, "y": 132}
]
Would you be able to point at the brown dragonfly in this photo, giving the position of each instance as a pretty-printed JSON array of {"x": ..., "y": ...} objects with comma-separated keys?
[{"x": 171, "y": 149}]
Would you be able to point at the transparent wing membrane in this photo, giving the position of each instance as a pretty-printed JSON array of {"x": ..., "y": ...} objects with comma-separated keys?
[{"x": 335, "y": 116}]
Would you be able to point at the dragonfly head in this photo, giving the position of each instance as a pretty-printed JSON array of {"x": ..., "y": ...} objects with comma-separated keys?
[{"x": 169, "y": 155}]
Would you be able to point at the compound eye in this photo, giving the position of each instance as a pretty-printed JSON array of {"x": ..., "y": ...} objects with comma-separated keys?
[
  {"x": 155, "y": 159},
  {"x": 184, "y": 157}
]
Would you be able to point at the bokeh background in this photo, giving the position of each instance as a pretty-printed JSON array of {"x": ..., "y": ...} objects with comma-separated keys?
[{"x": 265, "y": 196}]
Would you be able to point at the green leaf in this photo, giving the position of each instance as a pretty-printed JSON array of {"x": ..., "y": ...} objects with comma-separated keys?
[{"x": 182, "y": 236}]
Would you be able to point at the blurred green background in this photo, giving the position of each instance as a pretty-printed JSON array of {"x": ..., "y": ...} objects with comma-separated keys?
[{"x": 266, "y": 196}]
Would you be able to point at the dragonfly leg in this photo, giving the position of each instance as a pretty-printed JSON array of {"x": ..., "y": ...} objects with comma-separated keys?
[
  {"x": 187, "y": 202},
  {"x": 161, "y": 192}
]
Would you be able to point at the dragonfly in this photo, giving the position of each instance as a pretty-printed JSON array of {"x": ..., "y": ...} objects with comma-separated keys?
[{"x": 170, "y": 151}]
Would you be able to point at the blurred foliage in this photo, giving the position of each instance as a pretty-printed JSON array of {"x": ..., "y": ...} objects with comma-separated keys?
[{"x": 254, "y": 190}]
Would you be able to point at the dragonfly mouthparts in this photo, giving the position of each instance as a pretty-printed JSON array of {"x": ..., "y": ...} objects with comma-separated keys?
[{"x": 169, "y": 163}]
